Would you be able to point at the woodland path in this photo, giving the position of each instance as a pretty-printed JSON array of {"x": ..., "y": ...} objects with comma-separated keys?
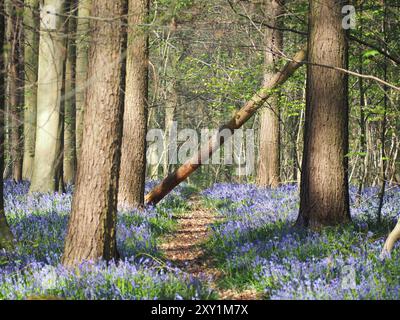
[{"x": 184, "y": 249}]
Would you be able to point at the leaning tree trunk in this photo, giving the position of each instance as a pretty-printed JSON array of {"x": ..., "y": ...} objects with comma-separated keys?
[
  {"x": 241, "y": 117},
  {"x": 133, "y": 153},
  {"x": 268, "y": 173},
  {"x": 31, "y": 47},
  {"x": 91, "y": 230},
  {"x": 6, "y": 237},
  {"x": 324, "y": 195},
  {"x": 390, "y": 241},
  {"x": 52, "y": 50},
  {"x": 82, "y": 62},
  {"x": 69, "y": 157}
]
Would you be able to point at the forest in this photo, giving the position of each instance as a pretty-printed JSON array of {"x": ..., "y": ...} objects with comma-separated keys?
[{"x": 199, "y": 150}]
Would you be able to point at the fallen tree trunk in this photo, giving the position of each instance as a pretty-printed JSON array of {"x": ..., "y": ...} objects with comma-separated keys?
[{"x": 241, "y": 117}]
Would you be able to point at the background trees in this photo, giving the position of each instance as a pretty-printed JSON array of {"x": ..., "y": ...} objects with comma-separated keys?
[{"x": 203, "y": 81}]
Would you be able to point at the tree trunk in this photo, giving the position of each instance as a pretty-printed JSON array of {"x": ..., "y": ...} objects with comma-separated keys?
[
  {"x": 49, "y": 127},
  {"x": 69, "y": 157},
  {"x": 31, "y": 48},
  {"x": 268, "y": 173},
  {"x": 14, "y": 88},
  {"x": 153, "y": 162},
  {"x": 243, "y": 115},
  {"x": 133, "y": 153},
  {"x": 324, "y": 198},
  {"x": 362, "y": 122},
  {"x": 6, "y": 237},
  {"x": 383, "y": 160},
  {"x": 82, "y": 62},
  {"x": 171, "y": 102},
  {"x": 91, "y": 230}
]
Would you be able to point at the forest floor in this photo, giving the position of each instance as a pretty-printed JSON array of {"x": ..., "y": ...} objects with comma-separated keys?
[
  {"x": 185, "y": 249},
  {"x": 232, "y": 241}
]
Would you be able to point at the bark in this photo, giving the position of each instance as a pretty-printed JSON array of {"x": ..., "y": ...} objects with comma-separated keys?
[
  {"x": 133, "y": 153},
  {"x": 363, "y": 134},
  {"x": 268, "y": 173},
  {"x": 82, "y": 62},
  {"x": 324, "y": 194},
  {"x": 14, "y": 89},
  {"x": 6, "y": 237},
  {"x": 31, "y": 48},
  {"x": 69, "y": 109},
  {"x": 241, "y": 116},
  {"x": 91, "y": 230},
  {"x": 49, "y": 127},
  {"x": 362, "y": 121},
  {"x": 383, "y": 161}
]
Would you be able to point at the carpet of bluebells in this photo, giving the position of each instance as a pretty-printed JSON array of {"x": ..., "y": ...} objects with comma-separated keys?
[
  {"x": 254, "y": 244},
  {"x": 39, "y": 223},
  {"x": 257, "y": 247}
]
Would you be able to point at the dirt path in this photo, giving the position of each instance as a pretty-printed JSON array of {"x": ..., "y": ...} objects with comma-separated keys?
[{"x": 183, "y": 248}]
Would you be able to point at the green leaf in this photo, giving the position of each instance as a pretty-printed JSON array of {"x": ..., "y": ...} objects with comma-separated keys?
[{"x": 370, "y": 53}]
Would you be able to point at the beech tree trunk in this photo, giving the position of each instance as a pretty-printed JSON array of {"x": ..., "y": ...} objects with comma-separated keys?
[
  {"x": 69, "y": 157},
  {"x": 133, "y": 153},
  {"x": 324, "y": 178},
  {"x": 31, "y": 48},
  {"x": 268, "y": 173},
  {"x": 49, "y": 127},
  {"x": 91, "y": 230},
  {"x": 243, "y": 115},
  {"x": 82, "y": 62},
  {"x": 6, "y": 237}
]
